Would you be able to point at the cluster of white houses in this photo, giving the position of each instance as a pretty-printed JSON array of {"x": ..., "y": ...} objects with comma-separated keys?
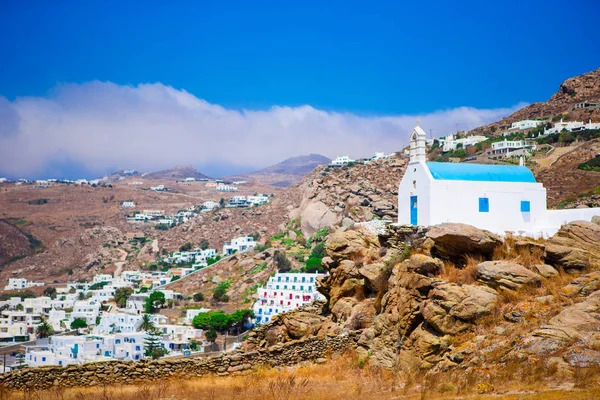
[
  {"x": 158, "y": 217},
  {"x": 247, "y": 201},
  {"x": 345, "y": 160},
  {"x": 285, "y": 292}
]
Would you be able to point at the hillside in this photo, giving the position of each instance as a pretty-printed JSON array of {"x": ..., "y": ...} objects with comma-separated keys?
[
  {"x": 178, "y": 173},
  {"x": 14, "y": 243},
  {"x": 564, "y": 181},
  {"x": 287, "y": 172},
  {"x": 582, "y": 88}
]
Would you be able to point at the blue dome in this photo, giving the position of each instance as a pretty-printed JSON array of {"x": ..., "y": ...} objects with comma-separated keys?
[{"x": 480, "y": 172}]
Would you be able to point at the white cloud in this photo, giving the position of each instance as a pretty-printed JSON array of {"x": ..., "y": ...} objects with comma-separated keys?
[{"x": 102, "y": 126}]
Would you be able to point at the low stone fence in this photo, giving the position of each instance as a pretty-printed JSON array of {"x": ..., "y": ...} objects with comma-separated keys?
[{"x": 128, "y": 372}]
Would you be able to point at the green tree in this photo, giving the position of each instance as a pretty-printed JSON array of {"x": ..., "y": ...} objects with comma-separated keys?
[
  {"x": 198, "y": 297},
  {"x": 220, "y": 291},
  {"x": 147, "y": 324},
  {"x": 222, "y": 202},
  {"x": 314, "y": 264},
  {"x": 98, "y": 285},
  {"x": 204, "y": 244},
  {"x": 44, "y": 330},
  {"x": 185, "y": 247},
  {"x": 81, "y": 296},
  {"x": 152, "y": 347},
  {"x": 154, "y": 301},
  {"x": 211, "y": 335},
  {"x": 121, "y": 296},
  {"x": 50, "y": 292},
  {"x": 78, "y": 323}
]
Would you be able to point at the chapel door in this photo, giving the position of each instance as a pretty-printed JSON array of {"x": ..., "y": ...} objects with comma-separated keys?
[{"x": 413, "y": 210}]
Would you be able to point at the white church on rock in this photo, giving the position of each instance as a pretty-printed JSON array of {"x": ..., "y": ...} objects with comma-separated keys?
[{"x": 498, "y": 198}]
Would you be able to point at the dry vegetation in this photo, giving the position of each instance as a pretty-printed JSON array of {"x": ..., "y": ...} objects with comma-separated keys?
[{"x": 343, "y": 377}]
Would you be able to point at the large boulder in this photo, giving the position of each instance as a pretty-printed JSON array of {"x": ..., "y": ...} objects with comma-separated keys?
[
  {"x": 302, "y": 324},
  {"x": 456, "y": 241},
  {"x": 424, "y": 265},
  {"x": 316, "y": 216},
  {"x": 451, "y": 309},
  {"x": 545, "y": 270},
  {"x": 506, "y": 275},
  {"x": 576, "y": 246}
]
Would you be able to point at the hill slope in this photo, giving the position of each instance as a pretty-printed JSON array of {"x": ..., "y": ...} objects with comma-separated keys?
[
  {"x": 582, "y": 88},
  {"x": 13, "y": 243}
]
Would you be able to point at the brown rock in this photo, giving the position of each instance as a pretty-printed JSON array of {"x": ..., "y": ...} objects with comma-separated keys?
[
  {"x": 504, "y": 274},
  {"x": 575, "y": 246},
  {"x": 584, "y": 285},
  {"x": 455, "y": 241},
  {"x": 302, "y": 324},
  {"x": 451, "y": 309},
  {"x": 545, "y": 270}
]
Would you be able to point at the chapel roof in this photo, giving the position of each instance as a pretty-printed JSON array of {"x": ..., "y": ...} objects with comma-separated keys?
[{"x": 480, "y": 172}]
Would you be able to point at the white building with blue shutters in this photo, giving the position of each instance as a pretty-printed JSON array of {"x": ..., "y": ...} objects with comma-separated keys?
[{"x": 498, "y": 198}]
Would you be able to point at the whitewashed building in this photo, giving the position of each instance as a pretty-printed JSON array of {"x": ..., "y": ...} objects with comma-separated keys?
[
  {"x": 451, "y": 142},
  {"x": 526, "y": 124},
  {"x": 238, "y": 245},
  {"x": 507, "y": 148},
  {"x": 118, "y": 322},
  {"x": 128, "y": 204},
  {"x": 498, "y": 198},
  {"x": 285, "y": 292},
  {"x": 21, "y": 283},
  {"x": 342, "y": 160}
]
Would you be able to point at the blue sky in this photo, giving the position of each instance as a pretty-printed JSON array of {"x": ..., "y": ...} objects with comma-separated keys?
[{"x": 369, "y": 59}]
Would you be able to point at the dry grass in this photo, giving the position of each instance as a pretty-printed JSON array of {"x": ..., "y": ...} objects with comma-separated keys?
[
  {"x": 341, "y": 378},
  {"x": 464, "y": 275}
]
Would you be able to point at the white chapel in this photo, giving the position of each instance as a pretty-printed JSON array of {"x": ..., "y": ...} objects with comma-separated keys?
[{"x": 498, "y": 198}]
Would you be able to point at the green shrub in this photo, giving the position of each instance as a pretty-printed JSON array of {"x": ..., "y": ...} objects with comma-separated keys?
[{"x": 314, "y": 264}]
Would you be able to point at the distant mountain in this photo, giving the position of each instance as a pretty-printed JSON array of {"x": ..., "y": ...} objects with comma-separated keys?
[
  {"x": 177, "y": 173},
  {"x": 583, "y": 88},
  {"x": 287, "y": 172}
]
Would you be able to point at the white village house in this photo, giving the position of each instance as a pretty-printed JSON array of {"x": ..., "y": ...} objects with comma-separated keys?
[{"x": 498, "y": 198}]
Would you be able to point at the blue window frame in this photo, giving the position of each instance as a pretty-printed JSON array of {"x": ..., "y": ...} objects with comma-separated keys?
[
  {"x": 484, "y": 204},
  {"x": 525, "y": 206}
]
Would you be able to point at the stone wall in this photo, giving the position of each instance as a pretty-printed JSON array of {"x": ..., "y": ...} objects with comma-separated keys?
[{"x": 119, "y": 372}]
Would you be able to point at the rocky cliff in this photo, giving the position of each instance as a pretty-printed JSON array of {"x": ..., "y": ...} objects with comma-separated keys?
[{"x": 455, "y": 297}]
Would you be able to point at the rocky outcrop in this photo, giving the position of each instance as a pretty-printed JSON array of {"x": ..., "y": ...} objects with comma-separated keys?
[
  {"x": 576, "y": 246},
  {"x": 352, "y": 245},
  {"x": 583, "y": 286},
  {"x": 577, "y": 322},
  {"x": 506, "y": 275},
  {"x": 334, "y": 196},
  {"x": 456, "y": 241}
]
